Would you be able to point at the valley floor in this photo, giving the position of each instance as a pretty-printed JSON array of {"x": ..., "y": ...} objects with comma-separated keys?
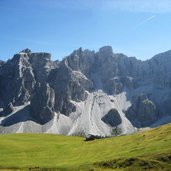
[{"x": 148, "y": 150}]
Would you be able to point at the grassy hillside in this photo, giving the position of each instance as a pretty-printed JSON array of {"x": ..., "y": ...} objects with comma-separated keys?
[{"x": 150, "y": 150}]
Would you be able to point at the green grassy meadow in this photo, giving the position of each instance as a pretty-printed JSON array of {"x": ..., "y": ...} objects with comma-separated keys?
[{"x": 148, "y": 150}]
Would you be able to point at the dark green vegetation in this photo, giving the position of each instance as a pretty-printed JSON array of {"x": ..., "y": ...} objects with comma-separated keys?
[
  {"x": 112, "y": 118},
  {"x": 148, "y": 150}
]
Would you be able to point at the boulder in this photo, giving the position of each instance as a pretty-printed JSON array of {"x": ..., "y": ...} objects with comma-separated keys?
[
  {"x": 112, "y": 118},
  {"x": 91, "y": 137}
]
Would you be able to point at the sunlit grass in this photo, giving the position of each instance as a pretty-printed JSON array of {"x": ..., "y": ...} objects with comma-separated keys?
[{"x": 24, "y": 151}]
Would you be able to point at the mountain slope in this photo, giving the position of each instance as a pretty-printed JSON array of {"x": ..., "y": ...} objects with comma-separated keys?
[
  {"x": 73, "y": 96},
  {"x": 148, "y": 150}
]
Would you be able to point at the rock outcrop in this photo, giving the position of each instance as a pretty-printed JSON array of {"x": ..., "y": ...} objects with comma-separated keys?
[
  {"x": 7, "y": 110},
  {"x": 87, "y": 92},
  {"x": 20, "y": 75},
  {"x": 1, "y": 62},
  {"x": 67, "y": 87},
  {"x": 16, "y": 80},
  {"x": 41, "y": 64},
  {"x": 42, "y": 103},
  {"x": 112, "y": 118},
  {"x": 143, "y": 112}
]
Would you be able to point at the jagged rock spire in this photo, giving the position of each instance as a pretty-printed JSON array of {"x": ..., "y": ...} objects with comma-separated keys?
[{"x": 25, "y": 51}]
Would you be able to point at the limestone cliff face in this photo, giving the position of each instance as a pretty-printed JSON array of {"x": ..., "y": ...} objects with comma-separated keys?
[
  {"x": 1, "y": 62},
  {"x": 17, "y": 80},
  {"x": 143, "y": 111},
  {"x": 115, "y": 73},
  {"x": 42, "y": 103},
  {"x": 61, "y": 88},
  {"x": 67, "y": 87}
]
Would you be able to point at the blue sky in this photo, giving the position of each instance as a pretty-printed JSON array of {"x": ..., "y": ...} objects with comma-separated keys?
[{"x": 133, "y": 27}]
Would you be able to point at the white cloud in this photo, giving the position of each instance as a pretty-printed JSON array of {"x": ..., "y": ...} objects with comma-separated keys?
[{"x": 146, "y": 20}]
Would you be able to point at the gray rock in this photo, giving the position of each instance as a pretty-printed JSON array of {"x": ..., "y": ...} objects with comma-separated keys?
[
  {"x": 42, "y": 103},
  {"x": 41, "y": 64},
  {"x": 60, "y": 83},
  {"x": 112, "y": 118},
  {"x": 67, "y": 87},
  {"x": 105, "y": 52},
  {"x": 8, "y": 109},
  {"x": 26, "y": 51},
  {"x": 1, "y": 103},
  {"x": 81, "y": 60},
  {"x": 1, "y": 62},
  {"x": 143, "y": 112},
  {"x": 159, "y": 70},
  {"x": 91, "y": 137},
  {"x": 16, "y": 80}
]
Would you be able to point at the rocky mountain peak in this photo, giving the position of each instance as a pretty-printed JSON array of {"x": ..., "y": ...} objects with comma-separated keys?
[
  {"x": 86, "y": 92},
  {"x": 77, "y": 52},
  {"x": 106, "y": 51},
  {"x": 26, "y": 51},
  {"x": 41, "y": 64},
  {"x": 163, "y": 55},
  {"x": 1, "y": 62}
]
